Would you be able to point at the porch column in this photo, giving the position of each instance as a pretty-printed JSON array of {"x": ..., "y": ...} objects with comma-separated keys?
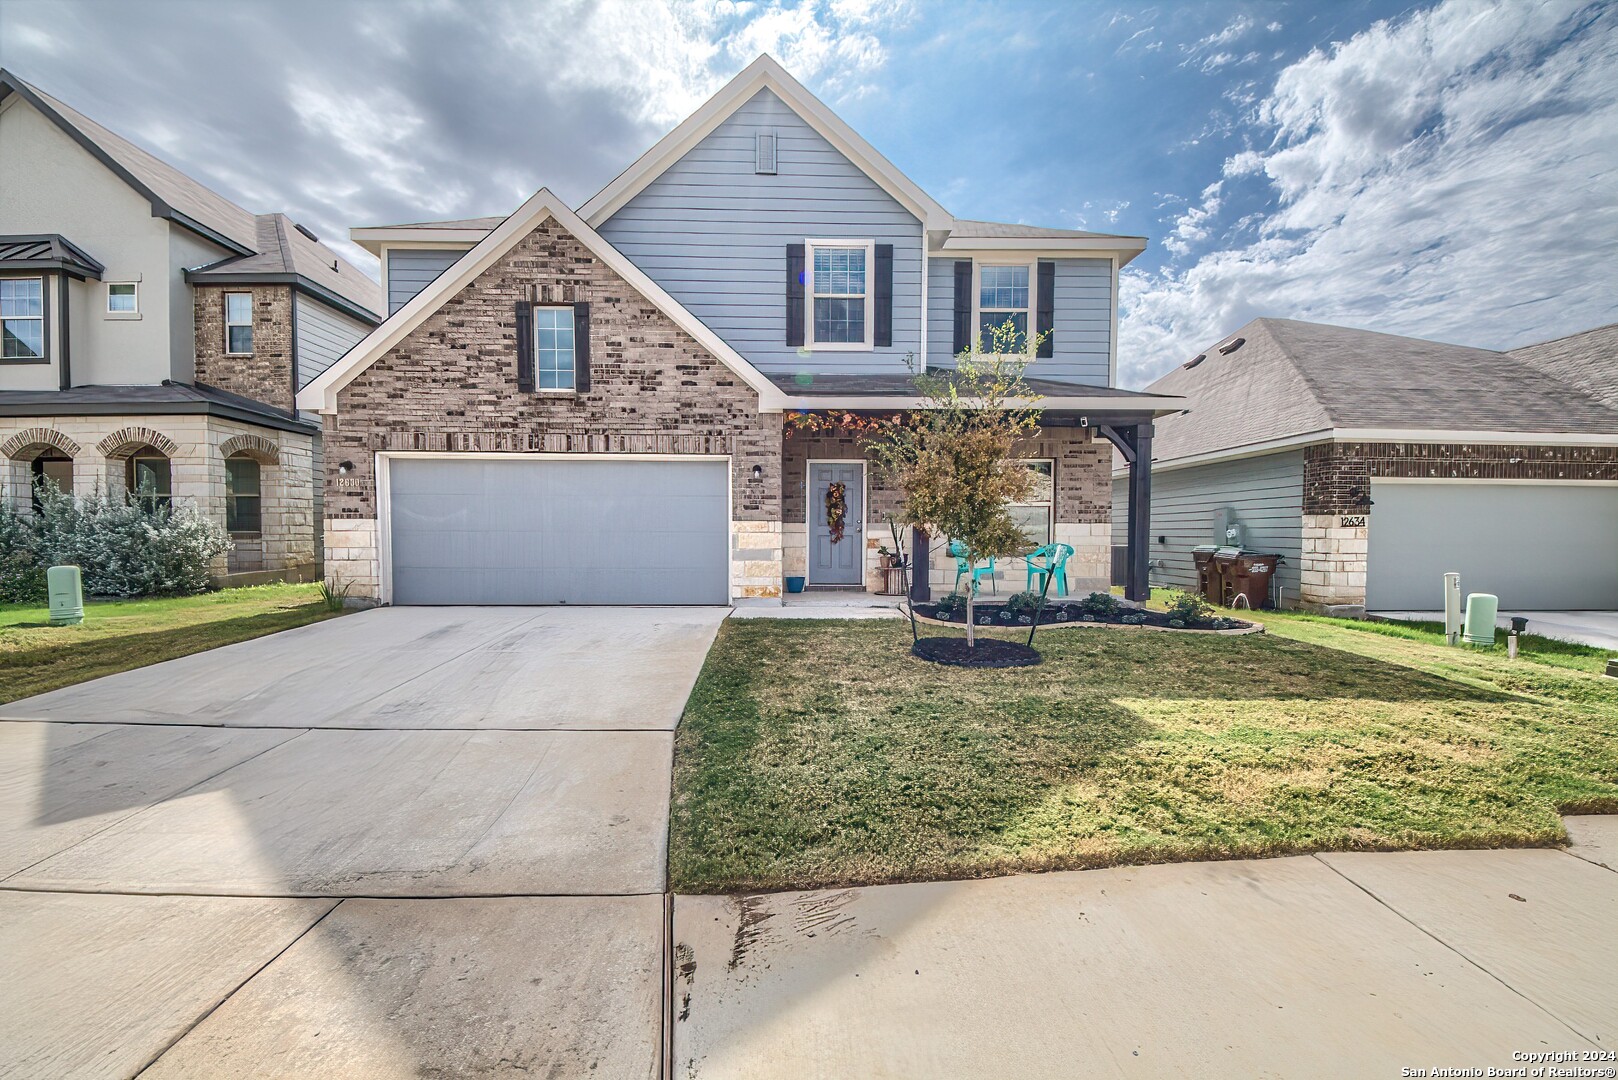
[{"x": 1136, "y": 586}]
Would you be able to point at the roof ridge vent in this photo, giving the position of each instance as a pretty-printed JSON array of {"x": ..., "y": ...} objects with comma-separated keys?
[
  {"x": 307, "y": 233},
  {"x": 1194, "y": 361},
  {"x": 1232, "y": 346}
]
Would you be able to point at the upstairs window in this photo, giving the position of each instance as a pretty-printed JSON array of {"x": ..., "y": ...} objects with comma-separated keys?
[
  {"x": 555, "y": 358},
  {"x": 121, "y": 298},
  {"x": 22, "y": 318},
  {"x": 242, "y": 500},
  {"x": 1003, "y": 295},
  {"x": 238, "y": 323},
  {"x": 840, "y": 311}
]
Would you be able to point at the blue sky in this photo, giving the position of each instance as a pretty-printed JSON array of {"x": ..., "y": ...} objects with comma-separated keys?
[{"x": 1448, "y": 170}]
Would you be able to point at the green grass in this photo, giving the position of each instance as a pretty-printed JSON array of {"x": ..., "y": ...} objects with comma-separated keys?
[
  {"x": 117, "y": 635},
  {"x": 820, "y": 753}
]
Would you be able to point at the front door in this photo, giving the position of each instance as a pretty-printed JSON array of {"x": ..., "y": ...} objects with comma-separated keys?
[{"x": 836, "y": 559}]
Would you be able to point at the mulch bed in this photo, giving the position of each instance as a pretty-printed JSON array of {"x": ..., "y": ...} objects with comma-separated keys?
[
  {"x": 1063, "y": 613},
  {"x": 988, "y": 653}
]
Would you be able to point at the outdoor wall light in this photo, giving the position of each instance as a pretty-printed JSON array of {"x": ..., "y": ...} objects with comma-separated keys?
[
  {"x": 345, "y": 467},
  {"x": 758, "y": 473}
]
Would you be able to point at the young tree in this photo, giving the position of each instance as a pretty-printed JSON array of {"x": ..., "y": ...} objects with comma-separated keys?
[{"x": 954, "y": 456}]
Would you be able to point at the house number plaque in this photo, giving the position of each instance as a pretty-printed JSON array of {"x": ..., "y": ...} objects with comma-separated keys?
[{"x": 1355, "y": 522}]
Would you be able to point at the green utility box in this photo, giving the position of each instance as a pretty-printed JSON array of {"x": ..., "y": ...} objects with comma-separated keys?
[
  {"x": 1481, "y": 608},
  {"x": 66, "y": 591}
]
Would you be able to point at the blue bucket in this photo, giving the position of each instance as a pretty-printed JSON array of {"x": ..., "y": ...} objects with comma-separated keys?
[{"x": 794, "y": 584}]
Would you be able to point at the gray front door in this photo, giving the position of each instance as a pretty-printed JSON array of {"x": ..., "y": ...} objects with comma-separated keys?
[
  {"x": 841, "y": 562},
  {"x": 521, "y": 530}
]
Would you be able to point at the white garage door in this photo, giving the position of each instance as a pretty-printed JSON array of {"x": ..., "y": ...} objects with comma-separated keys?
[
  {"x": 1536, "y": 546},
  {"x": 545, "y": 531}
]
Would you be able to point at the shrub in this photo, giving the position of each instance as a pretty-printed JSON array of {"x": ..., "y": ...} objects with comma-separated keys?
[
  {"x": 1188, "y": 608},
  {"x": 1101, "y": 605},
  {"x": 948, "y": 606},
  {"x": 129, "y": 547},
  {"x": 1023, "y": 603},
  {"x": 22, "y": 573}
]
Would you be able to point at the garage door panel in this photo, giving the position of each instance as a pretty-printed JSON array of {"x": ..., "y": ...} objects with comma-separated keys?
[
  {"x": 527, "y": 531},
  {"x": 1536, "y": 546}
]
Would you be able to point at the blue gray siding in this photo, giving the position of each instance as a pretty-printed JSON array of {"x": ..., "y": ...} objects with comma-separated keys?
[
  {"x": 323, "y": 336},
  {"x": 1080, "y": 346},
  {"x": 1266, "y": 494},
  {"x": 411, "y": 270},
  {"x": 714, "y": 233}
]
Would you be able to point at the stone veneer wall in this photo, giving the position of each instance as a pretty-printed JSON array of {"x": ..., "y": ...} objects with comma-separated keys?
[
  {"x": 1337, "y": 515},
  {"x": 451, "y": 386},
  {"x": 197, "y": 446},
  {"x": 266, "y": 374},
  {"x": 1082, "y": 511}
]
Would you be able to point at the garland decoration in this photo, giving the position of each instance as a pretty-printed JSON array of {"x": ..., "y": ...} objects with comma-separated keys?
[{"x": 836, "y": 509}]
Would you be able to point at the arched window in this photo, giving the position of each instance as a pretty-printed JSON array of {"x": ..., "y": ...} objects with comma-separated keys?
[
  {"x": 50, "y": 467},
  {"x": 243, "y": 515},
  {"x": 148, "y": 477}
]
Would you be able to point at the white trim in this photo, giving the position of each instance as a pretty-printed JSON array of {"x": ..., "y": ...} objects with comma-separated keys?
[
  {"x": 1122, "y": 248},
  {"x": 224, "y": 305},
  {"x": 1158, "y": 405},
  {"x": 808, "y": 528},
  {"x": 132, "y": 312},
  {"x": 384, "y": 506},
  {"x": 321, "y": 393},
  {"x": 375, "y": 240},
  {"x": 1515, "y": 481},
  {"x": 869, "y": 296},
  {"x": 763, "y": 73},
  {"x": 1112, "y": 334},
  {"x": 1029, "y": 311}
]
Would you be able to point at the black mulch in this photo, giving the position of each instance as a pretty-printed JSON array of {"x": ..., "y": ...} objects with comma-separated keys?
[{"x": 988, "y": 653}]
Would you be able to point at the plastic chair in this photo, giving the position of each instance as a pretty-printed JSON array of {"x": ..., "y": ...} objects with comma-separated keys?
[
  {"x": 963, "y": 568},
  {"x": 1050, "y": 559}
]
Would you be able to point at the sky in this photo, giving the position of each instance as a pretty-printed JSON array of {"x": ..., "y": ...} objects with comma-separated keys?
[{"x": 1447, "y": 170}]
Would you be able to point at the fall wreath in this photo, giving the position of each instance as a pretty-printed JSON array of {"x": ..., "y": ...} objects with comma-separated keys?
[{"x": 836, "y": 509}]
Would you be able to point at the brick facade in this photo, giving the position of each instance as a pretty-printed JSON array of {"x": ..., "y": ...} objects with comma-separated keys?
[
  {"x": 451, "y": 386},
  {"x": 266, "y": 375}
]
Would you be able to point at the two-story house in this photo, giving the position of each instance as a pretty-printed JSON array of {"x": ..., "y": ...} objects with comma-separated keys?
[
  {"x": 594, "y": 406},
  {"x": 155, "y": 335}
]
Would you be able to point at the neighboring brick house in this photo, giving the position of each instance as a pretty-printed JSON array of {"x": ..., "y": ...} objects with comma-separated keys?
[
  {"x": 1374, "y": 464},
  {"x": 591, "y": 407},
  {"x": 157, "y": 334}
]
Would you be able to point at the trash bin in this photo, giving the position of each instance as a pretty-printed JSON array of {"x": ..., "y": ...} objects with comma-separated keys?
[
  {"x": 1244, "y": 574},
  {"x": 1207, "y": 574}
]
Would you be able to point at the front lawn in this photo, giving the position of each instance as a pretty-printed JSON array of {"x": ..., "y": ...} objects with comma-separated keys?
[
  {"x": 820, "y": 753},
  {"x": 121, "y": 634}
]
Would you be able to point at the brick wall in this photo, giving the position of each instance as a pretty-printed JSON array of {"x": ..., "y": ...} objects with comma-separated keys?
[
  {"x": 265, "y": 375},
  {"x": 1337, "y": 476}
]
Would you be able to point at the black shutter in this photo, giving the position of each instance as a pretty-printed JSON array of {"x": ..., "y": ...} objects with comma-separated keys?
[
  {"x": 581, "y": 348},
  {"x": 1045, "y": 313},
  {"x": 882, "y": 293},
  {"x": 963, "y": 306},
  {"x": 525, "y": 347},
  {"x": 794, "y": 294}
]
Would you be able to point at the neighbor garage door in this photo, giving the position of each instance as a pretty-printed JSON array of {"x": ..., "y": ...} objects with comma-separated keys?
[
  {"x": 1536, "y": 546},
  {"x": 546, "y": 531}
]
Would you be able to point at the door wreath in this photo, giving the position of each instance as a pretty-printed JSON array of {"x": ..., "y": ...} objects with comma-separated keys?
[{"x": 836, "y": 509}]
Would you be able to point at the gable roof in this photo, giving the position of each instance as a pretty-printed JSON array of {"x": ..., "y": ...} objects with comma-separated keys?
[
  {"x": 763, "y": 73},
  {"x": 1588, "y": 360},
  {"x": 173, "y": 194},
  {"x": 1298, "y": 381},
  {"x": 286, "y": 253},
  {"x": 321, "y": 392}
]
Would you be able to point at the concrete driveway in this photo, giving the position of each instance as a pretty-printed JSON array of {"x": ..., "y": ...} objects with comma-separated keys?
[
  {"x": 406, "y": 842},
  {"x": 1598, "y": 628}
]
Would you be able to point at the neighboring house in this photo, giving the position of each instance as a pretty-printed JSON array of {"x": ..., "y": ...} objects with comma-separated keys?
[
  {"x": 156, "y": 334},
  {"x": 1374, "y": 464},
  {"x": 590, "y": 407}
]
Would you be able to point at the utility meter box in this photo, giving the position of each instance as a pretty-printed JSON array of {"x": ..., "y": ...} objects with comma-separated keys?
[
  {"x": 1481, "y": 608},
  {"x": 66, "y": 591}
]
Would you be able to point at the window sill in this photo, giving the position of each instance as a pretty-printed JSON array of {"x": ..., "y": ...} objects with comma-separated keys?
[
  {"x": 238, "y": 354},
  {"x": 840, "y": 346},
  {"x": 556, "y": 393},
  {"x": 121, "y": 316},
  {"x": 24, "y": 360},
  {"x": 247, "y": 535}
]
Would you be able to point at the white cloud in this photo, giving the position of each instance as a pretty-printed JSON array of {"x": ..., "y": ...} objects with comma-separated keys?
[{"x": 1449, "y": 174}]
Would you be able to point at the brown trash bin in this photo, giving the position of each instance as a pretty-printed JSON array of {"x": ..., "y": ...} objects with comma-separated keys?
[{"x": 1246, "y": 574}]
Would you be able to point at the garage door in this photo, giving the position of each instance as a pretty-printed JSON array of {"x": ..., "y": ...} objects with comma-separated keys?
[
  {"x": 1536, "y": 546},
  {"x": 526, "y": 531}
]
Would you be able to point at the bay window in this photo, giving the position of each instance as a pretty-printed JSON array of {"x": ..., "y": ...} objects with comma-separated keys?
[{"x": 22, "y": 318}]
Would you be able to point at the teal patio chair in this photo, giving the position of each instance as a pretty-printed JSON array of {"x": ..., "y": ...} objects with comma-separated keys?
[
  {"x": 963, "y": 568},
  {"x": 1050, "y": 559}
]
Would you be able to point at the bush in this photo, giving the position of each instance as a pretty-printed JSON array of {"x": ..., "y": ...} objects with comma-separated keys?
[
  {"x": 1023, "y": 603},
  {"x": 1101, "y": 605},
  {"x": 950, "y": 605},
  {"x": 1188, "y": 608},
  {"x": 128, "y": 547},
  {"x": 22, "y": 574}
]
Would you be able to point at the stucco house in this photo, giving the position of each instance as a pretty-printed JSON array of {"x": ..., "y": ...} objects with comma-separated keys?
[
  {"x": 155, "y": 334},
  {"x": 591, "y": 406},
  {"x": 1374, "y": 464}
]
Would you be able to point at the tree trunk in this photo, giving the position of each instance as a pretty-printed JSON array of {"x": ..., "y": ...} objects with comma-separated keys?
[{"x": 971, "y": 619}]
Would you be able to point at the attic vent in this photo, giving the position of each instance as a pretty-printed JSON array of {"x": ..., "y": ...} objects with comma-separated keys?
[
  {"x": 1226, "y": 350},
  {"x": 1194, "y": 361},
  {"x": 307, "y": 233},
  {"x": 764, "y": 153}
]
